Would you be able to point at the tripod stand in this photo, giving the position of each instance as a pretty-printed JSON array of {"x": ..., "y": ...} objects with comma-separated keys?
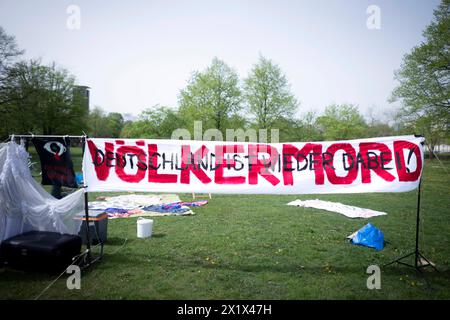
[{"x": 419, "y": 258}]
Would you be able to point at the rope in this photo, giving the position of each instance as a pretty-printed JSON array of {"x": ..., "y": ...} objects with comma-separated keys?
[
  {"x": 94, "y": 273},
  {"x": 123, "y": 245},
  {"x": 73, "y": 262},
  {"x": 57, "y": 278}
]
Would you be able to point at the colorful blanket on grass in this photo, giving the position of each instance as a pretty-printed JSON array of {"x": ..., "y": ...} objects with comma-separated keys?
[{"x": 135, "y": 205}]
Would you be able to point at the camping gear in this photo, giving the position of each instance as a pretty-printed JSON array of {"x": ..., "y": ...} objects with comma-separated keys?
[
  {"x": 369, "y": 236},
  {"x": 24, "y": 203},
  {"x": 348, "y": 211},
  {"x": 98, "y": 227},
  {"x": 40, "y": 250},
  {"x": 144, "y": 227}
]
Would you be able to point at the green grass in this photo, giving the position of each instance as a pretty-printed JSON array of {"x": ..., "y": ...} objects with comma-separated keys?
[{"x": 256, "y": 247}]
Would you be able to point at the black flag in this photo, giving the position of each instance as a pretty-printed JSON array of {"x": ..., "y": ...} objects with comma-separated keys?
[{"x": 56, "y": 162}]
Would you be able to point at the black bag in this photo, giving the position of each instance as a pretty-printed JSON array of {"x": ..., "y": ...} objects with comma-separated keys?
[{"x": 41, "y": 250}]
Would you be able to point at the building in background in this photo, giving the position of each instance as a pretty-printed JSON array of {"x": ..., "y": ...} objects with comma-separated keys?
[{"x": 81, "y": 96}]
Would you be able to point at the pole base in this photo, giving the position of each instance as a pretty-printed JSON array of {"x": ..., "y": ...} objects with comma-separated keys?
[
  {"x": 88, "y": 260},
  {"x": 419, "y": 260}
]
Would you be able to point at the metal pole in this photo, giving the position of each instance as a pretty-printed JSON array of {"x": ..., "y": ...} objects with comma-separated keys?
[
  {"x": 88, "y": 235},
  {"x": 86, "y": 213},
  {"x": 417, "y": 255}
]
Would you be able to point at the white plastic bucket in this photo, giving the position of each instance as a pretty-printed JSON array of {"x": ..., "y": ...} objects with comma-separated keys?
[{"x": 144, "y": 228}]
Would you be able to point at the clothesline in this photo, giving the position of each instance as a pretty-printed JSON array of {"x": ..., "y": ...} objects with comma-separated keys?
[{"x": 12, "y": 136}]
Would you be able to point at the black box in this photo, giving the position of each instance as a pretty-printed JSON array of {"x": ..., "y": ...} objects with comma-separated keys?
[
  {"x": 98, "y": 227},
  {"x": 41, "y": 250}
]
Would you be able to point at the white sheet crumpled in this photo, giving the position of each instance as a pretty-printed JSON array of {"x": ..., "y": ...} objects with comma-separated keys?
[{"x": 348, "y": 211}]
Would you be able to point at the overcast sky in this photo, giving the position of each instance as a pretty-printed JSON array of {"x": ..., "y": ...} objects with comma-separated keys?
[{"x": 135, "y": 54}]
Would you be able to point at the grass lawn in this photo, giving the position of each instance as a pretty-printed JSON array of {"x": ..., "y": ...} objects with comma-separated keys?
[{"x": 256, "y": 247}]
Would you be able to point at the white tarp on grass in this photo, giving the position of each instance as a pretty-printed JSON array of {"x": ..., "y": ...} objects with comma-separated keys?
[{"x": 348, "y": 211}]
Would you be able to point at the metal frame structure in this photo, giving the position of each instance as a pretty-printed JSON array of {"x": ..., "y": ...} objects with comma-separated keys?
[
  {"x": 418, "y": 256},
  {"x": 89, "y": 260}
]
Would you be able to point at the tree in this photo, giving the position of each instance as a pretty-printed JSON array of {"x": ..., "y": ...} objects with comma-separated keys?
[
  {"x": 212, "y": 96},
  {"x": 155, "y": 122},
  {"x": 103, "y": 125},
  {"x": 289, "y": 129},
  {"x": 115, "y": 123},
  {"x": 424, "y": 79},
  {"x": 309, "y": 130},
  {"x": 435, "y": 132},
  {"x": 379, "y": 129},
  {"x": 340, "y": 122},
  {"x": 35, "y": 97},
  {"x": 8, "y": 49},
  {"x": 9, "y": 52},
  {"x": 378, "y": 125},
  {"x": 40, "y": 99},
  {"x": 267, "y": 94},
  {"x": 96, "y": 123}
]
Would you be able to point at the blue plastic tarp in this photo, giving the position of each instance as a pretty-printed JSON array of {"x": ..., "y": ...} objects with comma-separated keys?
[{"x": 369, "y": 236}]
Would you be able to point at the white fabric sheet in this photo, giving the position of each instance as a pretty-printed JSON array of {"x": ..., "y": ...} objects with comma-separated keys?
[{"x": 348, "y": 211}]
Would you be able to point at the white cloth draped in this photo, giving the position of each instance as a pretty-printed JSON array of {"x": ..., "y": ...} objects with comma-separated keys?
[{"x": 24, "y": 203}]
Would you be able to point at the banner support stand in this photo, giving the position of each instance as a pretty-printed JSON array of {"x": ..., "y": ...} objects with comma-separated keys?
[
  {"x": 89, "y": 261},
  {"x": 419, "y": 258},
  {"x": 88, "y": 235}
]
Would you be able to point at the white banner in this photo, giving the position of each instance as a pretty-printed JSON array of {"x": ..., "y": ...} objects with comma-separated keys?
[{"x": 388, "y": 164}]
